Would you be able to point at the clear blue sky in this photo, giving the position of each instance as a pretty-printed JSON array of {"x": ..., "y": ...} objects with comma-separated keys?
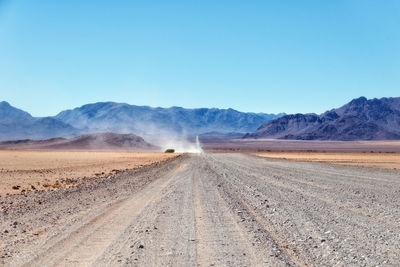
[{"x": 261, "y": 56}]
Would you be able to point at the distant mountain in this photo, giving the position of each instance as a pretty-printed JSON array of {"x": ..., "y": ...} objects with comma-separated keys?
[
  {"x": 149, "y": 122},
  {"x": 10, "y": 114},
  {"x": 97, "y": 141},
  {"x": 361, "y": 119},
  {"x": 17, "y": 124},
  {"x": 219, "y": 135},
  {"x": 145, "y": 121}
]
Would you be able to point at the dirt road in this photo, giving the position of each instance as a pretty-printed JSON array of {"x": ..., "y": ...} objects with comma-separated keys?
[{"x": 211, "y": 210}]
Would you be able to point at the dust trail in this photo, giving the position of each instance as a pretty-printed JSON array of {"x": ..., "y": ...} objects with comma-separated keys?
[
  {"x": 179, "y": 144},
  {"x": 198, "y": 146}
]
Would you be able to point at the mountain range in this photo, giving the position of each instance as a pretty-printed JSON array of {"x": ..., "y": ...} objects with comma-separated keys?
[
  {"x": 121, "y": 118},
  {"x": 360, "y": 119},
  {"x": 16, "y": 124},
  {"x": 144, "y": 120}
]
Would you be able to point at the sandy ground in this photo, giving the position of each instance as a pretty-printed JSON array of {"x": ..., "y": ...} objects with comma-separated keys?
[
  {"x": 30, "y": 170},
  {"x": 377, "y": 160},
  {"x": 210, "y": 210},
  {"x": 277, "y": 145}
]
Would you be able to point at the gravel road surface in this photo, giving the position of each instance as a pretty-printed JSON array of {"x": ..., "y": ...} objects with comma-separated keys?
[{"x": 211, "y": 210}]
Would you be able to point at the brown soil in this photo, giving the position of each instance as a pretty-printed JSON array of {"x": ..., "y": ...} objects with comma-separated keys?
[
  {"x": 377, "y": 160},
  {"x": 45, "y": 170}
]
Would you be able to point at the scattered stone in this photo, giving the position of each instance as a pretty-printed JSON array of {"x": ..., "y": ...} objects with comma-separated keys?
[{"x": 141, "y": 246}]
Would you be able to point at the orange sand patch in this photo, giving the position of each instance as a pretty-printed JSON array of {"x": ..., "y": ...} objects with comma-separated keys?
[{"x": 31, "y": 170}]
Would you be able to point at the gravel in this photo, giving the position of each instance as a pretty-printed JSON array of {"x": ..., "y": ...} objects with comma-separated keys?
[{"x": 211, "y": 210}]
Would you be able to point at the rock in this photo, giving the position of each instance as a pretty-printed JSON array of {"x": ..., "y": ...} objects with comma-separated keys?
[{"x": 361, "y": 119}]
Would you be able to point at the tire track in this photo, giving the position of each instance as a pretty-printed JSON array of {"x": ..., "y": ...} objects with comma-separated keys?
[
  {"x": 220, "y": 239},
  {"x": 226, "y": 210},
  {"x": 278, "y": 247},
  {"x": 83, "y": 246},
  {"x": 315, "y": 216}
]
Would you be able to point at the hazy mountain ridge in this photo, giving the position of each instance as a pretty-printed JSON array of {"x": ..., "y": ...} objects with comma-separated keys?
[
  {"x": 9, "y": 113},
  {"x": 360, "y": 119},
  {"x": 144, "y": 120},
  {"x": 16, "y": 124}
]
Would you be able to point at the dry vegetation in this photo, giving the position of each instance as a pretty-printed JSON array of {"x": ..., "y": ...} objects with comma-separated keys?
[
  {"x": 42, "y": 170},
  {"x": 377, "y": 160}
]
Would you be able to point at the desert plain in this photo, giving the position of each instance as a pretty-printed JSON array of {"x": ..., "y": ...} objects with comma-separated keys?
[
  {"x": 279, "y": 145},
  {"x": 308, "y": 205},
  {"x": 22, "y": 171},
  {"x": 376, "y": 160}
]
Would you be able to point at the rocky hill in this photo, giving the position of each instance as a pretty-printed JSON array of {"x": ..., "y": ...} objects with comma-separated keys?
[
  {"x": 360, "y": 119},
  {"x": 96, "y": 141}
]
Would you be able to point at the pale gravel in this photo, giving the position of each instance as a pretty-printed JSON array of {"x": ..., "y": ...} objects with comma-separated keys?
[{"x": 212, "y": 209}]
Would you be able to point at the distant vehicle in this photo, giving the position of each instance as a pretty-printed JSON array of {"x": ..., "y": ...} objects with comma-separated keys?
[{"x": 170, "y": 150}]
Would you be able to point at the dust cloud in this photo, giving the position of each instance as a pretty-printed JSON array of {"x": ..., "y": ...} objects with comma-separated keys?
[{"x": 181, "y": 142}]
